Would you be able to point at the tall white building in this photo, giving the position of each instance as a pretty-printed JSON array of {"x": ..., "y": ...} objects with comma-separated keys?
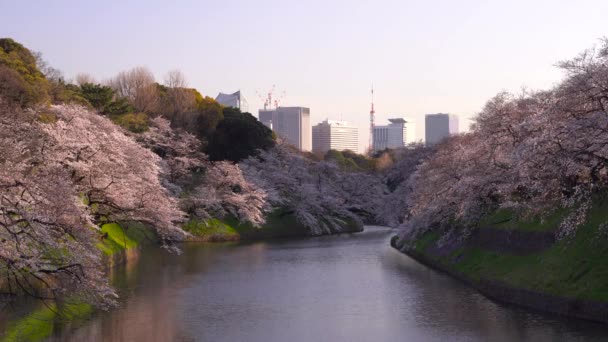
[
  {"x": 290, "y": 123},
  {"x": 439, "y": 126},
  {"x": 235, "y": 100},
  {"x": 334, "y": 135},
  {"x": 398, "y": 133}
]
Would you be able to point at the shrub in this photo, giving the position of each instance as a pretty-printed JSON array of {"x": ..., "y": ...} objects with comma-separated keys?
[{"x": 134, "y": 122}]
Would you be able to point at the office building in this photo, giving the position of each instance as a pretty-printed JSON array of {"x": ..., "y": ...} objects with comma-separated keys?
[
  {"x": 439, "y": 126},
  {"x": 398, "y": 133},
  {"x": 235, "y": 100},
  {"x": 291, "y": 124},
  {"x": 334, "y": 135}
]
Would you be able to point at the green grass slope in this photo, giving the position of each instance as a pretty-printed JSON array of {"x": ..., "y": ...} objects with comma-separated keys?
[
  {"x": 574, "y": 267},
  {"x": 230, "y": 229}
]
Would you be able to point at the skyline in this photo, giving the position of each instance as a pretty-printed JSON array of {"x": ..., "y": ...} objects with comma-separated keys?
[{"x": 421, "y": 58}]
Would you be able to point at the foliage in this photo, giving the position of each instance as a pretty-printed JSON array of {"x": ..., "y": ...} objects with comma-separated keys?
[
  {"x": 175, "y": 101},
  {"x": 238, "y": 136},
  {"x": 209, "y": 114},
  {"x": 20, "y": 80},
  {"x": 119, "y": 106},
  {"x": 338, "y": 158},
  {"x": 133, "y": 122},
  {"x": 211, "y": 230},
  {"x": 67, "y": 93},
  {"x": 200, "y": 121},
  {"x": 100, "y": 97},
  {"x": 349, "y": 160}
]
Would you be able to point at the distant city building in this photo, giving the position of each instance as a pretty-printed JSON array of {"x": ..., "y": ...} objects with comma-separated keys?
[
  {"x": 334, "y": 135},
  {"x": 439, "y": 126},
  {"x": 290, "y": 123},
  {"x": 266, "y": 116},
  {"x": 235, "y": 100},
  {"x": 398, "y": 133}
]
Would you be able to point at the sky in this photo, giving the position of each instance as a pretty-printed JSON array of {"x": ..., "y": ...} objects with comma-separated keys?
[{"x": 421, "y": 56}]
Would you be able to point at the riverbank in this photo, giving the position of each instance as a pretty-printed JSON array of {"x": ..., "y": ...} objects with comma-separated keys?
[
  {"x": 276, "y": 226},
  {"x": 522, "y": 263},
  {"x": 39, "y": 320}
]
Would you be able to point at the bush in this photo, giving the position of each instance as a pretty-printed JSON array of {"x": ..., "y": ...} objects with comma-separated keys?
[
  {"x": 12, "y": 86},
  {"x": 68, "y": 93},
  {"x": 118, "y": 107},
  {"x": 134, "y": 122}
]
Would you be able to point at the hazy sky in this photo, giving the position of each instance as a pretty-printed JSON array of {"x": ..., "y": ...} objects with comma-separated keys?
[{"x": 421, "y": 56}]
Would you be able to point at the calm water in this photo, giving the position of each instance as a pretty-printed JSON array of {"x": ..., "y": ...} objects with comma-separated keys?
[{"x": 340, "y": 288}]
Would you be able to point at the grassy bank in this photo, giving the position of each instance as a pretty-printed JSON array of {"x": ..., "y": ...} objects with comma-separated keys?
[
  {"x": 117, "y": 239},
  {"x": 42, "y": 322},
  {"x": 573, "y": 267},
  {"x": 230, "y": 229}
]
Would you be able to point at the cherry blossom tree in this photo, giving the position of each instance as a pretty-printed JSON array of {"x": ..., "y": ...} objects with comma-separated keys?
[
  {"x": 206, "y": 189},
  {"x": 47, "y": 235},
  {"x": 314, "y": 192},
  {"x": 116, "y": 176},
  {"x": 225, "y": 192},
  {"x": 396, "y": 176},
  {"x": 180, "y": 153},
  {"x": 530, "y": 153}
]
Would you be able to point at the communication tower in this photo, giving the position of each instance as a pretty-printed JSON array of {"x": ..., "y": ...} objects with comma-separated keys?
[{"x": 372, "y": 118}]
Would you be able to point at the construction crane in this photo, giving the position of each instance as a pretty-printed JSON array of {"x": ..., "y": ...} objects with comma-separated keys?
[{"x": 267, "y": 99}]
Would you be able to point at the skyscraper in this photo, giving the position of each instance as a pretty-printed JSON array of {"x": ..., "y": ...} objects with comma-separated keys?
[
  {"x": 290, "y": 123},
  {"x": 398, "y": 133},
  {"x": 334, "y": 135},
  {"x": 235, "y": 100},
  {"x": 439, "y": 126}
]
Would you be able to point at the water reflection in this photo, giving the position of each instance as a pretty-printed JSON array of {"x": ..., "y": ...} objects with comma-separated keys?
[{"x": 341, "y": 288}]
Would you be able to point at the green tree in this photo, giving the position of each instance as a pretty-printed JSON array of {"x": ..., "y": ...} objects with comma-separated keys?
[
  {"x": 363, "y": 162},
  {"x": 238, "y": 136},
  {"x": 174, "y": 102},
  {"x": 100, "y": 97},
  {"x": 203, "y": 120},
  {"x": 349, "y": 160},
  {"x": 209, "y": 114},
  {"x": 62, "y": 92},
  {"x": 119, "y": 106},
  {"x": 20, "y": 79}
]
